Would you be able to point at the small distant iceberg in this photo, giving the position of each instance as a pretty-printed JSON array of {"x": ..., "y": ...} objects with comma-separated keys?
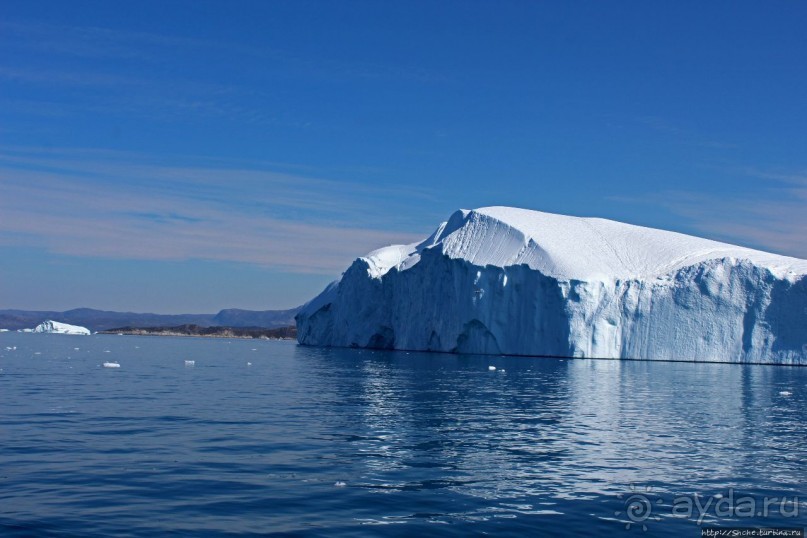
[
  {"x": 54, "y": 327},
  {"x": 3, "y": 330},
  {"x": 190, "y": 363},
  {"x": 111, "y": 364}
]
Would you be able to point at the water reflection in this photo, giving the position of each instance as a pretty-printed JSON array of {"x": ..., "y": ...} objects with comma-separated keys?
[
  {"x": 389, "y": 430},
  {"x": 548, "y": 432}
]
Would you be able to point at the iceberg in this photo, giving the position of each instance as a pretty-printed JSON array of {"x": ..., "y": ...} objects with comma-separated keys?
[
  {"x": 501, "y": 280},
  {"x": 54, "y": 327}
]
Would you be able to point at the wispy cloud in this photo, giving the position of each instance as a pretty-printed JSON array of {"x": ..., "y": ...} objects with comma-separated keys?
[
  {"x": 71, "y": 78},
  {"x": 773, "y": 217},
  {"x": 793, "y": 177},
  {"x": 103, "y": 72},
  {"x": 92, "y": 42},
  {"x": 100, "y": 72},
  {"x": 681, "y": 134},
  {"x": 90, "y": 91},
  {"x": 120, "y": 205}
]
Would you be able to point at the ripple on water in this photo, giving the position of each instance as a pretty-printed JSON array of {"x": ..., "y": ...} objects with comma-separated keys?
[{"x": 341, "y": 442}]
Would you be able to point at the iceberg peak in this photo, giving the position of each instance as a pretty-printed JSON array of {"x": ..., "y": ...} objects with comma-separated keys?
[{"x": 575, "y": 248}]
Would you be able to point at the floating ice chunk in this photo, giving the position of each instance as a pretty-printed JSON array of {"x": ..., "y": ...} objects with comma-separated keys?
[
  {"x": 111, "y": 365},
  {"x": 107, "y": 351},
  {"x": 785, "y": 393},
  {"x": 340, "y": 484},
  {"x": 190, "y": 363},
  {"x": 249, "y": 364},
  {"x": 492, "y": 368},
  {"x": 37, "y": 353}
]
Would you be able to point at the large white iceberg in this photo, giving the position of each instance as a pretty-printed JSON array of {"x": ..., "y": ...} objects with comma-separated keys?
[
  {"x": 60, "y": 328},
  {"x": 500, "y": 280}
]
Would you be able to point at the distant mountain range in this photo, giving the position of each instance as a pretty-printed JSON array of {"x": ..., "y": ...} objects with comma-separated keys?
[{"x": 100, "y": 320}]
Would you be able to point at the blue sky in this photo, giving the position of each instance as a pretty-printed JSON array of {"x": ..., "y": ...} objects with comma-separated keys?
[{"x": 191, "y": 156}]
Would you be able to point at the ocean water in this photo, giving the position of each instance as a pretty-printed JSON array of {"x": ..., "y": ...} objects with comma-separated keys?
[{"x": 263, "y": 437}]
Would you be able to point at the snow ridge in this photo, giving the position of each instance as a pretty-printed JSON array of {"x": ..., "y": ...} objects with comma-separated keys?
[{"x": 579, "y": 248}]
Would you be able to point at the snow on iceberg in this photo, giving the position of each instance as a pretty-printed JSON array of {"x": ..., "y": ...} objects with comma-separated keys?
[
  {"x": 60, "y": 328},
  {"x": 500, "y": 280}
]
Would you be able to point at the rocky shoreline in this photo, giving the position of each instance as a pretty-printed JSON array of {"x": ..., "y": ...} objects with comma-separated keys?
[{"x": 281, "y": 333}]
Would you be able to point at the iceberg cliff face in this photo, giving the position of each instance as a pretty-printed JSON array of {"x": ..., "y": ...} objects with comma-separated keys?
[
  {"x": 512, "y": 281},
  {"x": 60, "y": 328}
]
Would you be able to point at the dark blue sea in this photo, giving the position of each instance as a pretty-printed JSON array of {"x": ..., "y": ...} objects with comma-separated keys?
[{"x": 261, "y": 437}]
